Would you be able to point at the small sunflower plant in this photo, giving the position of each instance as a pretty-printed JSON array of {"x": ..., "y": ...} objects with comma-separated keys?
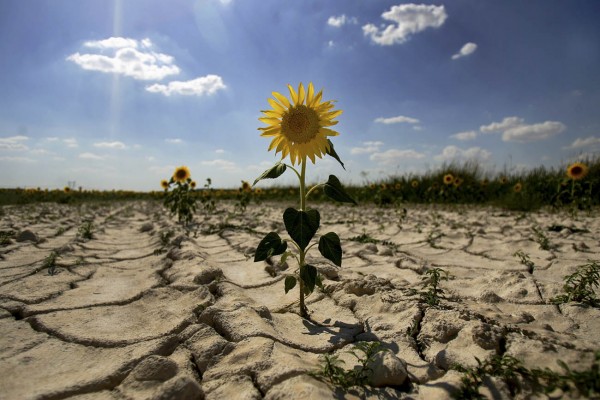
[
  {"x": 179, "y": 198},
  {"x": 574, "y": 190},
  {"x": 300, "y": 129}
]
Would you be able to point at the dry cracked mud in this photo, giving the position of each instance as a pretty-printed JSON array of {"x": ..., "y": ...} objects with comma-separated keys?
[{"x": 134, "y": 314}]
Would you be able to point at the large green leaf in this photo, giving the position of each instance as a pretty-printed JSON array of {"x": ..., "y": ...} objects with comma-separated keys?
[
  {"x": 330, "y": 248},
  {"x": 290, "y": 282},
  {"x": 301, "y": 225},
  {"x": 308, "y": 274},
  {"x": 274, "y": 172},
  {"x": 334, "y": 190},
  {"x": 271, "y": 245},
  {"x": 333, "y": 154}
]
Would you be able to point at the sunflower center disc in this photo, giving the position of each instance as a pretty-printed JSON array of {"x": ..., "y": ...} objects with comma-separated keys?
[{"x": 300, "y": 124}]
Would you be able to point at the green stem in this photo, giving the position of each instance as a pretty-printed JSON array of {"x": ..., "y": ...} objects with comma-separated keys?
[
  {"x": 303, "y": 310},
  {"x": 314, "y": 188}
]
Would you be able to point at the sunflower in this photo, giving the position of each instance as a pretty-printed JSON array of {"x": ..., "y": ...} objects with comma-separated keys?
[
  {"x": 503, "y": 180},
  {"x": 414, "y": 183},
  {"x": 193, "y": 184},
  {"x": 181, "y": 174},
  {"x": 299, "y": 128},
  {"x": 246, "y": 186},
  {"x": 67, "y": 189},
  {"x": 518, "y": 187},
  {"x": 577, "y": 171},
  {"x": 398, "y": 186},
  {"x": 457, "y": 181},
  {"x": 164, "y": 184},
  {"x": 448, "y": 179}
]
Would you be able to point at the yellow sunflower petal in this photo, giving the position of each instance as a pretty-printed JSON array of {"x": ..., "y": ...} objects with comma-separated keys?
[
  {"x": 293, "y": 95},
  {"x": 276, "y": 106},
  {"x": 282, "y": 99},
  {"x": 301, "y": 94},
  {"x": 328, "y": 132},
  {"x": 269, "y": 120},
  {"x": 272, "y": 113},
  {"x": 310, "y": 96}
]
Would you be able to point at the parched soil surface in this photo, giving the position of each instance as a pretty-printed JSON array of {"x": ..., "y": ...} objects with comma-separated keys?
[{"x": 143, "y": 311}]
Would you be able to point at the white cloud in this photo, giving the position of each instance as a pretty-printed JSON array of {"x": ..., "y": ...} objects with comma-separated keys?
[
  {"x": 514, "y": 129},
  {"x": 90, "y": 156},
  {"x": 71, "y": 142},
  {"x": 468, "y": 48},
  {"x": 219, "y": 151},
  {"x": 52, "y": 139},
  {"x": 127, "y": 59},
  {"x": 221, "y": 164},
  {"x": 111, "y": 145},
  {"x": 39, "y": 152},
  {"x": 205, "y": 85},
  {"x": 591, "y": 141},
  {"x": 113, "y": 43},
  {"x": 174, "y": 141},
  {"x": 397, "y": 120},
  {"x": 338, "y": 22},
  {"x": 467, "y": 135},
  {"x": 534, "y": 132},
  {"x": 14, "y": 143},
  {"x": 507, "y": 123},
  {"x": 368, "y": 148},
  {"x": 472, "y": 153},
  {"x": 394, "y": 156},
  {"x": 407, "y": 19}
]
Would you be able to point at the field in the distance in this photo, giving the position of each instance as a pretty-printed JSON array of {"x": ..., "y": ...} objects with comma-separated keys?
[{"x": 140, "y": 310}]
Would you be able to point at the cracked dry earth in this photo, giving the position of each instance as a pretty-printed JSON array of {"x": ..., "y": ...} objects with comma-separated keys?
[{"x": 202, "y": 320}]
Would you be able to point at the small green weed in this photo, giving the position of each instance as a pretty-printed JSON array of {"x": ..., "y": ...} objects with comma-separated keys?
[
  {"x": 524, "y": 257},
  {"x": 431, "y": 296},
  {"x": 541, "y": 238},
  {"x": 511, "y": 370},
  {"x": 331, "y": 366},
  {"x": 86, "y": 230},
  {"x": 579, "y": 286},
  {"x": 50, "y": 263},
  {"x": 5, "y": 237}
]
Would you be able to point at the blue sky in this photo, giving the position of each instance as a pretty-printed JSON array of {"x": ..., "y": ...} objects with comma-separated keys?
[{"x": 116, "y": 94}]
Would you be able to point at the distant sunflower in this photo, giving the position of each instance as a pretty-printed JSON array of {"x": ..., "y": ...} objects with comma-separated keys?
[
  {"x": 164, "y": 184},
  {"x": 577, "y": 171},
  {"x": 181, "y": 174},
  {"x": 457, "y": 181},
  {"x": 246, "y": 186},
  {"x": 484, "y": 182},
  {"x": 518, "y": 187},
  {"x": 384, "y": 186},
  {"x": 299, "y": 128},
  {"x": 398, "y": 186},
  {"x": 448, "y": 179},
  {"x": 193, "y": 184},
  {"x": 414, "y": 183},
  {"x": 503, "y": 180},
  {"x": 67, "y": 189}
]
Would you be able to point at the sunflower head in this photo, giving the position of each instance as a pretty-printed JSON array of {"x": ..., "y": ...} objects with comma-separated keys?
[
  {"x": 67, "y": 189},
  {"x": 448, "y": 179},
  {"x": 398, "y": 186},
  {"x": 414, "y": 183},
  {"x": 246, "y": 186},
  {"x": 577, "y": 171},
  {"x": 193, "y": 184},
  {"x": 181, "y": 174},
  {"x": 518, "y": 187},
  {"x": 457, "y": 181},
  {"x": 299, "y": 128},
  {"x": 503, "y": 180},
  {"x": 164, "y": 184}
]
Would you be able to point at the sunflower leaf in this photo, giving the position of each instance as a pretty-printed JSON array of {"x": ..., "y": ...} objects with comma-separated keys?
[
  {"x": 330, "y": 248},
  {"x": 334, "y": 190},
  {"x": 271, "y": 245},
  {"x": 308, "y": 274},
  {"x": 333, "y": 154},
  {"x": 301, "y": 225},
  {"x": 274, "y": 172},
  {"x": 290, "y": 282}
]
